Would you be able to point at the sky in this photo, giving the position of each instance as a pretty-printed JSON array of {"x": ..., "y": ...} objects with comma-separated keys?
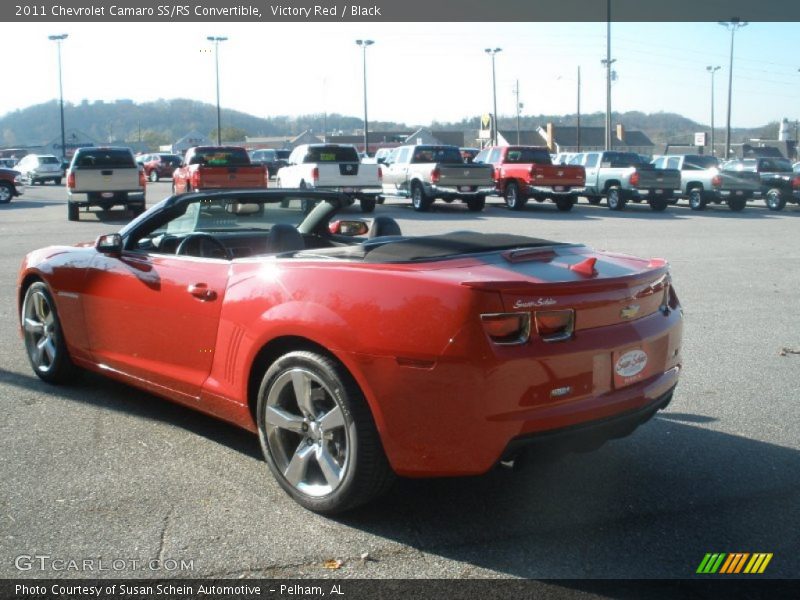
[{"x": 417, "y": 72}]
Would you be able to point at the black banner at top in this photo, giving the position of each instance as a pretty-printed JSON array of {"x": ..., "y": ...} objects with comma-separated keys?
[{"x": 277, "y": 11}]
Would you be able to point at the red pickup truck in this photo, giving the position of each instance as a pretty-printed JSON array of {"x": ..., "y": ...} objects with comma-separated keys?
[
  {"x": 217, "y": 167},
  {"x": 523, "y": 172}
]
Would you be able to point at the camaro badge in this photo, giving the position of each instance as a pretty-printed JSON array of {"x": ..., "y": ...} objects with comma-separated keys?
[{"x": 629, "y": 311}]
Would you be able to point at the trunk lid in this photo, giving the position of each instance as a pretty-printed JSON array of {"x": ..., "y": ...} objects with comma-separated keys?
[{"x": 466, "y": 174}]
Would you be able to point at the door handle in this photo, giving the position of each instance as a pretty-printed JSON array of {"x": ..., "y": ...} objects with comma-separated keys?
[{"x": 201, "y": 291}]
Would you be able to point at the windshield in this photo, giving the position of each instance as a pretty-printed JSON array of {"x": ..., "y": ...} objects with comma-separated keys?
[
  {"x": 701, "y": 162},
  {"x": 49, "y": 160},
  {"x": 104, "y": 158},
  {"x": 331, "y": 154},
  {"x": 437, "y": 154},
  {"x": 220, "y": 157},
  {"x": 621, "y": 159},
  {"x": 528, "y": 155}
]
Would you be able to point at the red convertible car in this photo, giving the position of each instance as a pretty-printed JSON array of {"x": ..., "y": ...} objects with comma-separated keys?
[{"x": 357, "y": 353}]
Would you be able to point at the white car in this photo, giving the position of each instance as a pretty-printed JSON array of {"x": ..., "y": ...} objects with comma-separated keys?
[{"x": 39, "y": 168}]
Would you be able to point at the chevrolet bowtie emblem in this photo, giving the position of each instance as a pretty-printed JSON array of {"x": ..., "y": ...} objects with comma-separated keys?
[{"x": 629, "y": 311}]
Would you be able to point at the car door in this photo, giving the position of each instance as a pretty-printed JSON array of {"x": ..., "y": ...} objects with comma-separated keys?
[
  {"x": 397, "y": 172},
  {"x": 591, "y": 163},
  {"x": 155, "y": 317}
]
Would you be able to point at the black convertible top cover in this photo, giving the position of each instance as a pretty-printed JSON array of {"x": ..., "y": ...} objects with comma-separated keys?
[{"x": 448, "y": 245}]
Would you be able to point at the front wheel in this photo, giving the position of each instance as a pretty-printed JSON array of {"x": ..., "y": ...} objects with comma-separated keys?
[
  {"x": 696, "y": 200},
  {"x": 514, "y": 199},
  {"x": 44, "y": 340},
  {"x": 6, "y": 192},
  {"x": 419, "y": 199},
  {"x": 775, "y": 200},
  {"x": 318, "y": 435},
  {"x": 476, "y": 204},
  {"x": 154, "y": 176},
  {"x": 614, "y": 198}
]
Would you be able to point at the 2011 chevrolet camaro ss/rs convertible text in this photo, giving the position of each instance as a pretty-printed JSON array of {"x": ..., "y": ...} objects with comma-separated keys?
[{"x": 355, "y": 352}]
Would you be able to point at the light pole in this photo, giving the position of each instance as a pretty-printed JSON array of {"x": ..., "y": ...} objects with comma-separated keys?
[
  {"x": 364, "y": 44},
  {"x": 519, "y": 107},
  {"x": 58, "y": 39},
  {"x": 493, "y": 52},
  {"x": 712, "y": 70},
  {"x": 578, "y": 128},
  {"x": 217, "y": 39},
  {"x": 608, "y": 61},
  {"x": 732, "y": 25}
]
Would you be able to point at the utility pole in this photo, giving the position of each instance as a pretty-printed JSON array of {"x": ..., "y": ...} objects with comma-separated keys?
[
  {"x": 578, "y": 129},
  {"x": 519, "y": 106},
  {"x": 732, "y": 25},
  {"x": 608, "y": 62},
  {"x": 58, "y": 39},
  {"x": 493, "y": 52},
  {"x": 364, "y": 44},
  {"x": 712, "y": 70},
  {"x": 217, "y": 39}
]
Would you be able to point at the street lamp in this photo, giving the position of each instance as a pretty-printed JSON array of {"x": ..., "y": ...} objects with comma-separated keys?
[
  {"x": 364, "y": 44},
  {"x": 608, "y": 61},
  {"x": 58, "y": 39},
  {"x": 217, "y": 39},
  {"x": 712, "y": 70},
  {"x": 732, "y": 25},
  {"x": 493, "y": 52}
]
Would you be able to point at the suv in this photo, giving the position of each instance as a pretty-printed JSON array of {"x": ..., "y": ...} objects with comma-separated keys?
[
  {"x": 159, "y": 165},
  {"x": 38, "y": 168},
  {"x": 270, "y": 159},
  {"x": 104, "y": 177}
]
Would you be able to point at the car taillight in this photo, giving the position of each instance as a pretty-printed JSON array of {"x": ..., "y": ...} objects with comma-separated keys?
[
  {"x": 315, "y": 174},
  {"x": 796, "y": 183},
  {"x": 435, "y": 175},
  {"x": 380, "y": 174},
  {"x": 196, "y": 180},
  {"x": 716, "y": 181},
  {"x": 507, "y": 328},
  {"x": 554, "y": 325},
  {"x": 634, "y": 178},
  {"x": 71, "y": 180},
  {"x": 142, "y": 179}
]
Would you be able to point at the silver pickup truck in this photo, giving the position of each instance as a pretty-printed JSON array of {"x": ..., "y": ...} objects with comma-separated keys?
[
  {"x": 625, "y": 176},
  {"x": 702, "y": 181},
  {"x": 104, "y": 177},
  {"x": 425, "y": 173}
]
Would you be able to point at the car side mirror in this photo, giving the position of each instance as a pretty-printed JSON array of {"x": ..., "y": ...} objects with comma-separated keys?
[
  {"x": 110, "y": 243},
  {"x": 349, "y": 228}
]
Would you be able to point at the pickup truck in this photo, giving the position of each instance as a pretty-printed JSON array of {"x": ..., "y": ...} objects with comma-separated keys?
[
  {"x": 778, "y": 183},
  {"x": 335, "y": 167},
  {"x": 104, "y": 177},
  {"x": 624, "y": 176},
  {"x": 424, "y": 173},
  {"x": 217, "y": 167},
  {"x": 702, "y": 181},
  {"x": 10, "y": 185},
  {"x": 523, "y": 172}
]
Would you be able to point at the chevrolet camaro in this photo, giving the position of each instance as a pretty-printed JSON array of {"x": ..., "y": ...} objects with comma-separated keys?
[{"x": 357, "y": 353}]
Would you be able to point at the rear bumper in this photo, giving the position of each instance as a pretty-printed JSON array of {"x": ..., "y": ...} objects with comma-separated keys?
[
  {"x": 453, "y": 193},
  {"x": 458, "y": 414},
  {"x": 95, "y": 198},
  {"x": 551, "y": 192}
]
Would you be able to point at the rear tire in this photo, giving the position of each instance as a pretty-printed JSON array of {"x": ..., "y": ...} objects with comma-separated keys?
[
  {"x": 696, "y": 200},
  {"x": 775, "y": 200},
  {"x": 154, "y": 176},
  {"x": 564, "y": 204},
  {"x": 514, "y": 199},
  {"x": 614, "y": 198},
  {"x": 737, "y": 204},
  {"x": 44, "y": 338},
  {"x": 368, "y": 205},
  {"x": 658, "y": 204},
  {"x": 419, "y": 200},
  {"x": 72, "y": 212},
  {"x": 6, "y": 192},
  {"x": 476, "y": 204},
  {"x": 318, "y": 435}
]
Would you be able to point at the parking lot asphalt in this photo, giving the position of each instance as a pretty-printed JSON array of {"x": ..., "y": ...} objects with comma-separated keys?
[{"x": 98, "y": 470}]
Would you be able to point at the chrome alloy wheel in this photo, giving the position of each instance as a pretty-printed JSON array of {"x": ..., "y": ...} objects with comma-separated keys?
[
  {"x": 306, "y": 432},
  {"x": 41, "y": 331}
]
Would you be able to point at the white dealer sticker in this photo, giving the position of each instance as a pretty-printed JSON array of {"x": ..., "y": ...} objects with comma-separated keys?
[{"x": 631, "y": 363}]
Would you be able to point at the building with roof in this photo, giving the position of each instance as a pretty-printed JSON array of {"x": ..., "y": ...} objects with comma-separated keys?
[{"x": 566, "y": 139}]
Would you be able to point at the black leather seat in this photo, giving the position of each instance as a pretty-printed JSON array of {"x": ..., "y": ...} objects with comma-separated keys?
[
  {"x": 382, "y": 226},
  {"x": 284, "y": 238}
]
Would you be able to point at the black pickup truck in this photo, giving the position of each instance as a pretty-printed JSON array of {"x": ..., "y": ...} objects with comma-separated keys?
[{"x": 779, "y": 184}]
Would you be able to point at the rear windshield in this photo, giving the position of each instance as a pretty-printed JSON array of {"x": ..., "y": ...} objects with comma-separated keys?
[
  {"x": 621, "y": 159},
  {"x": 98, "y": 158},
  {"x": 528, "y": 155},
  {"x": 437, "y": 154},
  {"x": 331, "y": 154},
  {"x": 776, "y": 165},
  {"x": 49, "y": 160},
  {"x": 171, "y": 159},
  {"x": 700, "y": 162},
  {"x": 221, "y": 157},
  {"x": 283, "y": 153}
]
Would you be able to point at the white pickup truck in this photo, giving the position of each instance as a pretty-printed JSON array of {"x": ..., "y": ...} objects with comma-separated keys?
[
  {"x": 104, "y": 177},
  {"x": 332, "y": 167}
]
